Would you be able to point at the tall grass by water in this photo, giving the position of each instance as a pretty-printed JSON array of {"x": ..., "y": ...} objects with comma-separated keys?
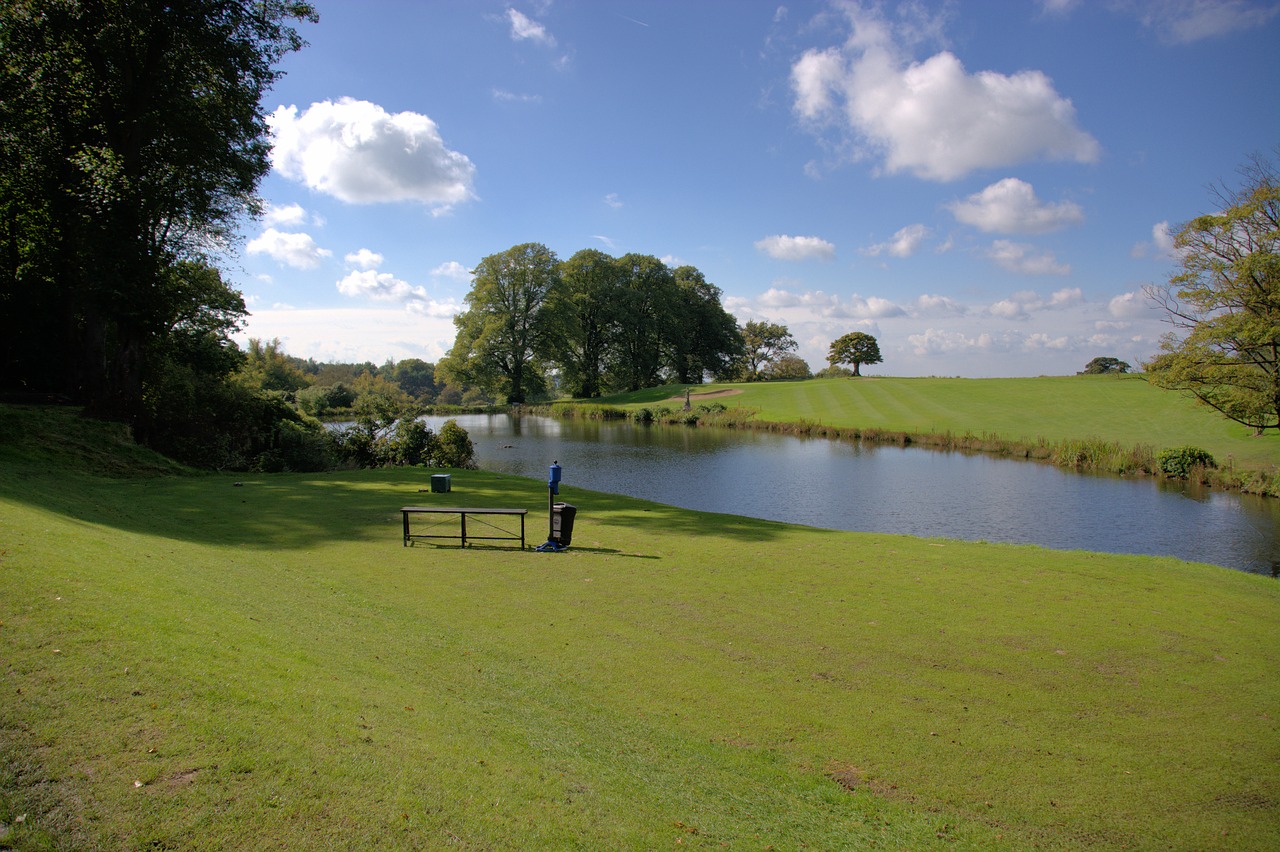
[{"x": 204, "y": 661}]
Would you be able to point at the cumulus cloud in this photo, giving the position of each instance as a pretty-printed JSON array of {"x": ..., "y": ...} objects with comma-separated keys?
[
  {"x": 1130, "y": 306},
  {"x": 1161, "y": 245},
  {"x": 931, "y": 305},
  {"x": 452, "y": 270},
  {"x": 380, "y": 286},
  {"x": 1010, "y": 206},
  {"x": 933, "y": 118},
  {"x": 906, "y": 241},
  {"x": 292, "y": 249},
  {"x": 783, "y": 247},
  {"x": 364, "y": 259},
  {"x": 358, "y": 152},
  {"x": 1025, "y": 259},
  {"x": 289, "y": 214},
  {"x": 934, "y": 341}
]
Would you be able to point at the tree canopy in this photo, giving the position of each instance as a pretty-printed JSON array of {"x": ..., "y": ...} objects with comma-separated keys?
[
  {"x": 1098, "y": 366},
  {"x": 764, "y": 344},
  {"x": 1225, "y": 305},
  {"x": 596, "y": 324},
  {"x": 133, "y": 141},
  {"x": 506, "y": 328},
  {"x": 856, "y": 348}
]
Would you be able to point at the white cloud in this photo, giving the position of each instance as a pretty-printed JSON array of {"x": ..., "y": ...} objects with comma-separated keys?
[
  {"x": 1130, "y": 306},
  {"x": 358, "y": 152},
  {"x": 1010, "y": 206},
  {"x": 930, "y": 305},
  {"x": 906, "y": 241},
  {"x": 353, "y": 334},
  {"x": 292, "y": 249},
  {"x": 290, "y": 214},
  {"x": 783, "y": 247},
  {"x": 612, "y": 200},
  {"x": 933, "y": 119},
  {"x": 1186, "y": 21},
  {"x": 364, "y": 259},
  {"x": 525, "y": 28},
  {"x": 381, "y": 286},
  {"x": 1161, "y": 245},
  {"x": 385, "y": 287},
  {"x": 512, "y": 98},
  {"x": 933, "y": 341},
  {"x": 452, "y": 270},
  {"x": 1025, "y": 259}
]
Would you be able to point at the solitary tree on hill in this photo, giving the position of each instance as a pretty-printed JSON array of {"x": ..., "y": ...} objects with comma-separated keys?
[{"x": 855, "y": 348}]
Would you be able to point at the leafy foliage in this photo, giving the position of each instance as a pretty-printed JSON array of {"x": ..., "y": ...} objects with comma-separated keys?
[
  {"x": 1099, "y": 366},
  {"x": 1225, "y": 304},
  {"x": 764, "y": 343},
  {"x": 1182, "y": 461},
  {"x": 856, "y": 348}
]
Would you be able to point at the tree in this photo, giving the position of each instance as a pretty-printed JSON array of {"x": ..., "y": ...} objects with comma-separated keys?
[
  {"x": 703, "y": 337},
  {"x": 788, "y": 367},
  {"x": 585, "y": 319},
  {"x": 134, "y": 138},
  {"x": 856, "y": 348},
  {"x": 645, "y": 313},
  {"x": 505, "y": 333},
  {"x": 1225, "y": 305},
  {"x": 763, "y": 344},
  {"x": 1099, "y": 366},
  {"x": 416, "y": 378}
]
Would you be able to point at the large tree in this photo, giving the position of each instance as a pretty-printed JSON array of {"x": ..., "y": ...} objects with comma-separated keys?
[
  {"x": 703, "y": 337},
  {"x": 856, "y": 348},
  {"x": 764, "y": 343},
  {"x": 1225, "y": 305},
  {"x": 133, "y": 138},
  {"x": 646, "y": 311},
  {"x": 505, "y": 335},
  {"x": 585, "y": 316}
]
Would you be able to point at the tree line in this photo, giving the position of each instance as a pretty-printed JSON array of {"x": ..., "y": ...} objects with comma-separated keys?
[{"x": 537, "y": 327}]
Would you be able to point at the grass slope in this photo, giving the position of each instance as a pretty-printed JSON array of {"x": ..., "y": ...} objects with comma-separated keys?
[
  {"x": 192, "y": 663},
  {"x": 1124, "y": 409}
]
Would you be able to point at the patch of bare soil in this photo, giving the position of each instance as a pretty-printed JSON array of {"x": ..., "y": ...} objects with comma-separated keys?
[{"x": 698, "y": 397}]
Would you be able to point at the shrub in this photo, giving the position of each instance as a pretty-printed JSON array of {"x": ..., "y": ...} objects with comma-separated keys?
[{"x": 1181, "y": 461}]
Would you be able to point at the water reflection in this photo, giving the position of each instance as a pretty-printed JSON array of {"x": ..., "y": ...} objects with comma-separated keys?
[{"x": 879, "y": 488}]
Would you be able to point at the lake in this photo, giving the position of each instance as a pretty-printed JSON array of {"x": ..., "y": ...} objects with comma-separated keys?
[{"x": 881, "y": 488}]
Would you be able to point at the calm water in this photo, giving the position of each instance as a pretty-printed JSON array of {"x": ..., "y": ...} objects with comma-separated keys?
[{"x": 878, "y": 488}]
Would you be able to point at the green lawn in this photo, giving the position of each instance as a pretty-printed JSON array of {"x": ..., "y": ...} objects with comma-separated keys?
[
  {"x": 256, "y": 662},
  {"x": 1124, "y": 409}
]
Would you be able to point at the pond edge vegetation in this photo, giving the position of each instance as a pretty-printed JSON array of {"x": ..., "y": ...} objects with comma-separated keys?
[{"x": 1081, "y": 455}]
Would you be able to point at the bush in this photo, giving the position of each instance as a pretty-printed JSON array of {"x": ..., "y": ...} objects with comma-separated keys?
[{"x": 1181, "y": 461}]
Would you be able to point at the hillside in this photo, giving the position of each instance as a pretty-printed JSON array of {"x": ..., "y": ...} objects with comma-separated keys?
[
  {"x": 256, "y": 661},
  {"x": 1123, "y": 409}
]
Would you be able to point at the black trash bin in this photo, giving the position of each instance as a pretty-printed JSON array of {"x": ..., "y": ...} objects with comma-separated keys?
[{"x": 562, "y": 523}]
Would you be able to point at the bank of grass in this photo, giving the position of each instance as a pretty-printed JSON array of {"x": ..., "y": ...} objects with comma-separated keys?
[
  {"x": 1112, "y": 424},
  {"x": 211, "y": 662}
]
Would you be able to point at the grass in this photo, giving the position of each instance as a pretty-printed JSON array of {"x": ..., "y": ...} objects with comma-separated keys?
[
  {"x": 1099, "y": 424},
  {"x": 212, "y": 662}
]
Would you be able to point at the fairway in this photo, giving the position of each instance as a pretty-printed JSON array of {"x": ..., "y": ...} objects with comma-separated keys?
[
  {"x": 1124, "y": 409},
  {"x": 258, "y": 662}
]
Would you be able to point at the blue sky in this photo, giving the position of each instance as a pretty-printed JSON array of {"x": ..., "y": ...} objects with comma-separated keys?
[{"x": 984, "y": 186}]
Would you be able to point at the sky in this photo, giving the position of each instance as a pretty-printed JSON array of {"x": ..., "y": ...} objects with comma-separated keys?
[{"x": 985, "y": 187}]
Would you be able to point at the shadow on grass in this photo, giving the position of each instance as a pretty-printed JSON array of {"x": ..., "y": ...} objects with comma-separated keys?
[{"x": 298, "y": 511}]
